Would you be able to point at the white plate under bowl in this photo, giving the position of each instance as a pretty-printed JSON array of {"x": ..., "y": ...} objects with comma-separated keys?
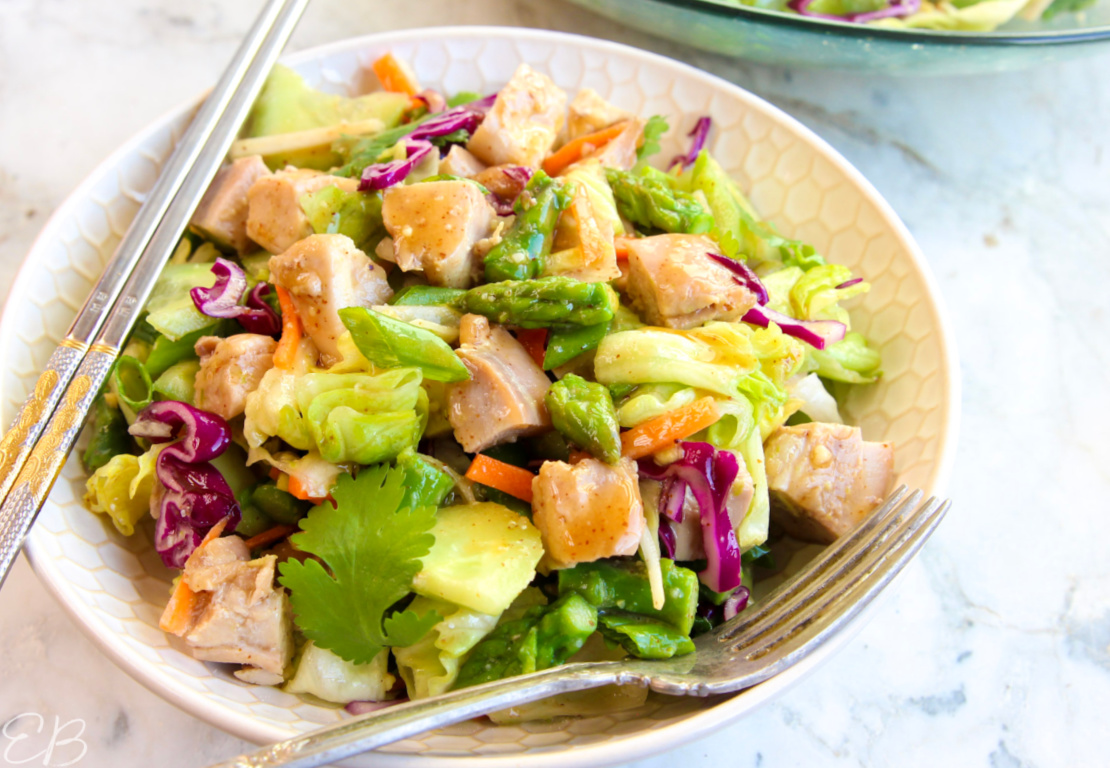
[{"x": 115, "y": 587}]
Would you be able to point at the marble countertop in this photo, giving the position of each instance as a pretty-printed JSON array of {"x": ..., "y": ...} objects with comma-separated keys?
[{"x": 996, "y": 649}]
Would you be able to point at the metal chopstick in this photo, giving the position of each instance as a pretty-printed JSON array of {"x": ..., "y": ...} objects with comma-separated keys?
[{"x": 31, "y": 456}]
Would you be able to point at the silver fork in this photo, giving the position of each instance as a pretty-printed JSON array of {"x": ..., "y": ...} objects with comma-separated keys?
[{"x": 778, "y": 632}]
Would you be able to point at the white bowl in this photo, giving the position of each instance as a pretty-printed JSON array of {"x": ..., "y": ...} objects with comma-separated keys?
[{"x": 115, "y": 587}]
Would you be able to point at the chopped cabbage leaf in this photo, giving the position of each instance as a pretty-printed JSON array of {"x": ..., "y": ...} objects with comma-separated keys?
[
  {"x": 347, "y": 417},
  {"x": 484, "y": 556},
  {"x": 738, "y": 229},
  {"x": 652, "y": 400},
  {"x": 121, "y": 489},
  {"x": 849, "y": 360},
  {"x": 431, "y": 666},
  {"x": 331, "y": 678}
]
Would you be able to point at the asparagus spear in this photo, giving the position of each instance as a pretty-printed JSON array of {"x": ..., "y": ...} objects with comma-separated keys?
[
  {"x": 583, "y": 412},
  {"x": 521, "y": 252},
  {"x": 543, "y": 303}
]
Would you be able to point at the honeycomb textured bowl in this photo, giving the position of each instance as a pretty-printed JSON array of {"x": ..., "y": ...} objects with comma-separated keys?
[{"x": 115, "y": 587}]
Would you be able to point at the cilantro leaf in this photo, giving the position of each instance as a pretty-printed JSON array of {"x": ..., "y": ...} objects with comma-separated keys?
[
  {"x": 653, "y": 131},
  {"x": 373, "y": 549}
]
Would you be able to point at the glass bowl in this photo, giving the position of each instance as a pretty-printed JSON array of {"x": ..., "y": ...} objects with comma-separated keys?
[{"x": 773, "y": 37}]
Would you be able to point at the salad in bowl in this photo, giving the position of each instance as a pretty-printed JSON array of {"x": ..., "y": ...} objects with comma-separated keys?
[{"x": 443, "y": 388}]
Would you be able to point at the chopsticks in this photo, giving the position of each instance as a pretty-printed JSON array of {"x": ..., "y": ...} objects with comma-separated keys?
[{"x": 31, "y": 455}]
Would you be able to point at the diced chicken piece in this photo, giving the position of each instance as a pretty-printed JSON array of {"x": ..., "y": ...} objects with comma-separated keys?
[
  {"x": 620, "y": 151},
  {"x": 589, "y": 113},
  {"x": 275, "y": 219},
  {"x": 460, "y": 162},
  {"x": 230, "y": 369},
  {"x": 237, "y": 615},
  {"x": 324, "y": 274},
  {"x": 501, "y": 181},
  {"x": 521, "y": 126},
  {"x": 503, "y": 399},
  {"x": 825, "y": 478},
  {"x": 688, "y": 537},
  {"x": 435, "y": 226},
  {"x": 222, "y": 214},
  {"x": 672, "y": 282},
  {"x": 588, "y": 510}
]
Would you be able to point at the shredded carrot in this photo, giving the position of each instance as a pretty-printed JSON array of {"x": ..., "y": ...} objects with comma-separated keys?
[
  {"x": 275, "y": 534},
  {"x": 178, "y": 615},
  {"x": 179, "y": 611},
  {"x": 504, "y": 477},
  {"x": 535, "y": 342},
  {"x": 575, "y": 150},
  {"x": 291, "y": 332},
  {"x": 621, "y": 244},
  {"x": 297, "y": 488},
  {"x": 663, "y": 431},
  {"x": 395, "y": 75},
  {"x": 275, "y": 474}
]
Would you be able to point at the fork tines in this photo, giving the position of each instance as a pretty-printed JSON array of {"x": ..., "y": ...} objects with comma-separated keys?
[{"x": 838, "y": 583}]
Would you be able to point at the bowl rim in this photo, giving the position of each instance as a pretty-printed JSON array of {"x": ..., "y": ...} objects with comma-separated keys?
[
  {"x": 619, "y": 750},
  {"x": 768, "y": 17}
]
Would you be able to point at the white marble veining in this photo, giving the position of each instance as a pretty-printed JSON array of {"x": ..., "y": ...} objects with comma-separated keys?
[{"x": 996, "y": 649}]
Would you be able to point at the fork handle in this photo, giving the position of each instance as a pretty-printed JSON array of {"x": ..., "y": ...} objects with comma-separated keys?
[{"x": 360, "y": 734}]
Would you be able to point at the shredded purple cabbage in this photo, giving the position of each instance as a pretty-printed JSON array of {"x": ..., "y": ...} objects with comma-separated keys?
[
  {"x": 260, "y": 317},
  {"x": 816, "y": 333},
  {"x": 519, "y": 174},
  {"x": 466, "y": 117},
  {"x": 383, "y": 175},
  {"x": 849, "y": 283},
  {"x": 667, "y": 537},
  {"x": 417, "y": 145},
  {"x": 699, "y": 135},
  {"x": 363, "y": 707},
  {"x": 709, "y": 474},
  {"x": 193, "y": 496},
  {"x": 433, "y": 100},
  {"x": 672, "y": 498},
  {"x": 222, "y": 300},
  {"x": 736, "y": 602},
  {"x": 743, "y": 275},
  {"x": 896, "y": 9}
]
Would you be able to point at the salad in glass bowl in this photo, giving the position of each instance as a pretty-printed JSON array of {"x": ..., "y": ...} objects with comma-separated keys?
[
  {"x": 441, "y": 389},
  {"x": 960, "y": 16}
]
